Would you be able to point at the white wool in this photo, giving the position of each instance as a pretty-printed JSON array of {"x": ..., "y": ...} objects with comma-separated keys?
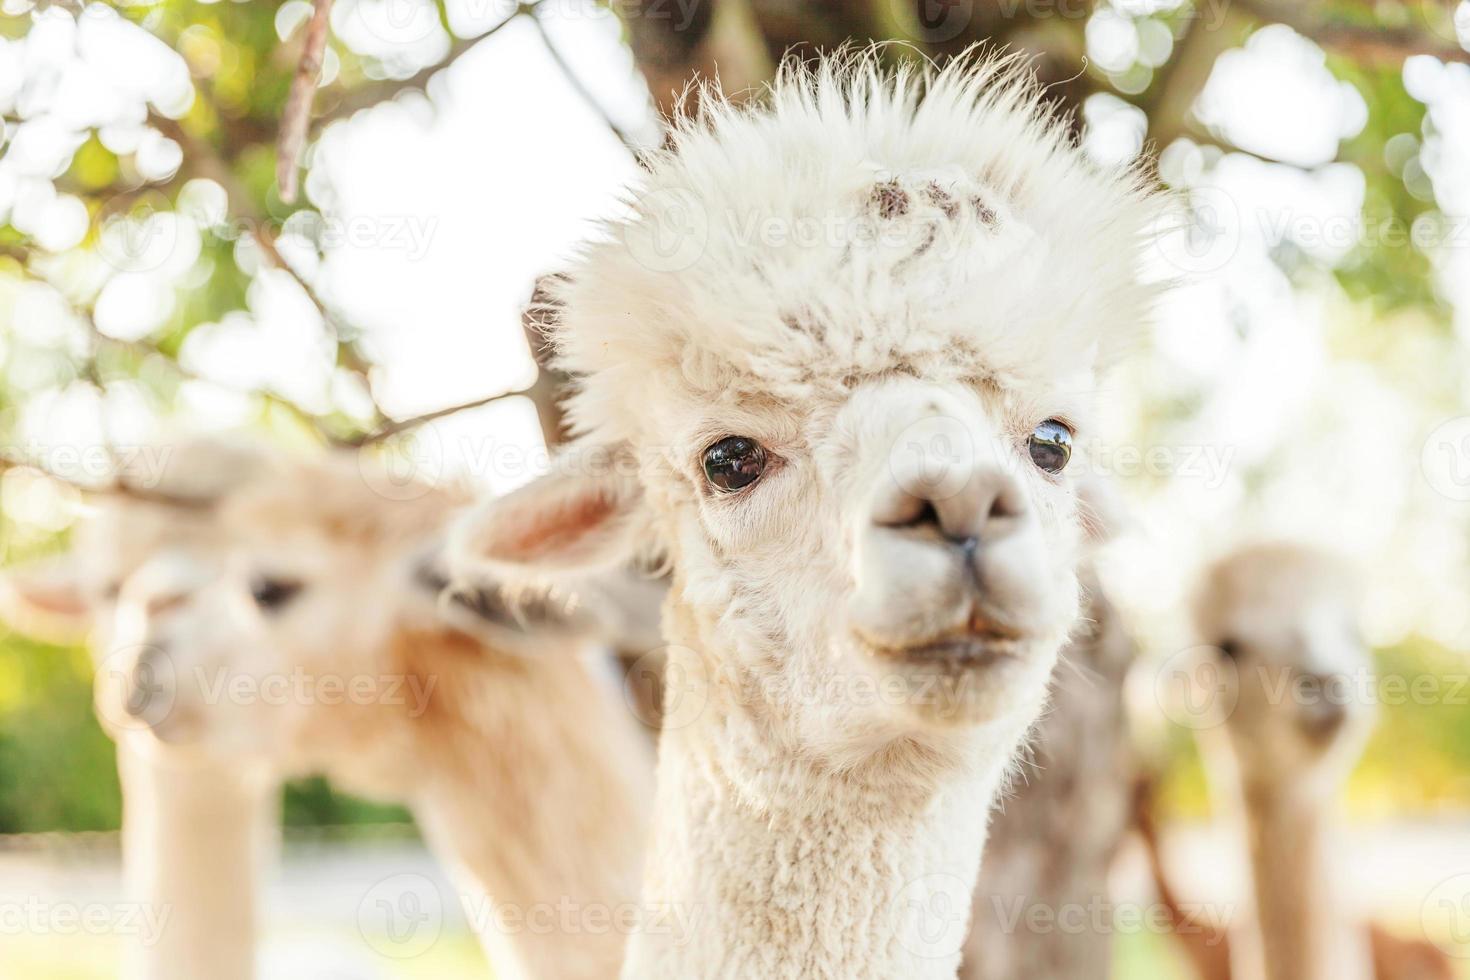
[
  {"x": 758, "y": 256},
  {"x": 826, "y": 273}
]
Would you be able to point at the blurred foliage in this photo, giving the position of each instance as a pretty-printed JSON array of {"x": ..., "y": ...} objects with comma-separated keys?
[
  {"x": 56, "y": 765},
  {"x": 1432, "y": 728},
  {"x": 1388, "y": 276}
]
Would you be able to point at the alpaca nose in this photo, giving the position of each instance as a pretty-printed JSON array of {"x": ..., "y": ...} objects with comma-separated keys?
[
  {"x": 149, "y": 694},
  {"x": 987, "y": 506},
  {"x": 949, "y": 543},
  {"x": 1322, "y": 711},
  {"x": 162, "y": 600}
]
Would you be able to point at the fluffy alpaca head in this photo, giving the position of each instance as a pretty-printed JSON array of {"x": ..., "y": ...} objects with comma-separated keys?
[
  {"x": 299, "y": 631},
  {"x": 272, "y": 622},
  {"x": 827, "y": 366},
  {"x": 1281, "y": 621},
  {"x": 234, "y": 644},
  {"x": 70, "y": 596}
]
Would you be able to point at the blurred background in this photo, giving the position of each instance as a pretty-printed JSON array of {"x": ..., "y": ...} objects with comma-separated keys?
[{"x": 160, "y": 275}]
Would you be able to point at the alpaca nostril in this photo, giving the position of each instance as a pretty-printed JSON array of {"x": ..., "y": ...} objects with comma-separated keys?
[
  {"x": 921, "y": 515},
  {"x": 1007, "y": 503},
  {"x": 149, "y": 688},
  {"x": 988, "y": 507},
  {"x": 1321, "y": 709},
  {"x": 1322, "y": 719},
  {"x": 161, "y": 602},
  {"x": 999, "y": 509},
  {"x": 914, "y": 513},
  {"x": 904, "y": 510}
]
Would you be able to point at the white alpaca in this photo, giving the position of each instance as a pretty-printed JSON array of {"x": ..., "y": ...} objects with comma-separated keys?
[
  {"x": 1284, "y": 618},
  {"x": 302, "y": 630},
  {"x": 830, "y": 369},
  {"x": 195, "y": 832},
  {"x": 1292, "y": 722}
]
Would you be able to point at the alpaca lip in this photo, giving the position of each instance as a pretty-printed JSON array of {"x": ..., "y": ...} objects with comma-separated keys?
[
  {"x": 984, "y": 627},
  {"x": 1323, "y": 726},
  {"x": 982, "y": 643},
  {"x": 967, "y": 651}
]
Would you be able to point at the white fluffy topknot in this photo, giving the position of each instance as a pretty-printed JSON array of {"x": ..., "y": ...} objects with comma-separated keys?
[{"x": 856, "y": 222}]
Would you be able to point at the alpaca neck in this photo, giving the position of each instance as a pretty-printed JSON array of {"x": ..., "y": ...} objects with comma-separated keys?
[
  {"x": 1301, "y": 929},
  {"x": 769, "y": 860},
  {"x": 194, "y": 838},
  {"x": 541, "y": 806}
]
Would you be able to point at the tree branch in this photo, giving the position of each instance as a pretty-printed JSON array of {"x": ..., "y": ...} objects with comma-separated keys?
[
  {"x": 392, "y": 429},
  {"x": 674, "y": 46},
  {"x": 87, "y": 317},
  {"x": 1387, "y": 46},
  {"x": 367, "y": 96},
  {"x": 581, "y": 90},
  {"x": 1169, "y": 102},
  {"x": 118, "y": 486},
  {"x": 205, "y": 161},
  {"x": 296, "y": 116}
]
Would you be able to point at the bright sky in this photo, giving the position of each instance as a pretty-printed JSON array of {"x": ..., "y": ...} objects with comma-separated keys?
[{"x": 442, "y": 210}]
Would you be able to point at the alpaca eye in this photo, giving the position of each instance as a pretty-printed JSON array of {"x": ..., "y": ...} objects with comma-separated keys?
[
  {"x": 734, "y": 463},
  {"x": 1229, "y": 649},
  {"x": 1051, "y": 445},
  {"x": 273, "y": 593}
]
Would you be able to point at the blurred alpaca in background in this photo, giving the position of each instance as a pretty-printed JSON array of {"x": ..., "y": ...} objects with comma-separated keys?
[
  {"x": 480, "y": 712},
  {"x": 196, "y": 830},
  {"x": 1295, "y": 714}
]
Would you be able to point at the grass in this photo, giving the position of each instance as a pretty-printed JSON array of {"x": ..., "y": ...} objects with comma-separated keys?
[{"x": 455, "y": 956}]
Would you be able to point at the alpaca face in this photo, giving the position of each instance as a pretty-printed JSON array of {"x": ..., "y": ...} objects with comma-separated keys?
[
  {"x": 830, "y": 368},
  {"x": 899, "y": 548},
  {"x": 72, "y": 597},
  {"x": 278, "y": 634},
  {"x": 1281, "y": 620},
  {"x": 232, "y": 649}
]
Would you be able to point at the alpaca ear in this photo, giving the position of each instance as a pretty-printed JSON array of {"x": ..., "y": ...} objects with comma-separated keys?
[
  {"x": 47, "y": 599},
  {"x": 586, "y": 515},
  {"x": 620, "y": 608}
]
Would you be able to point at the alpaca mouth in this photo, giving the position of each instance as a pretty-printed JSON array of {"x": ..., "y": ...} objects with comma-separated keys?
[
  {"x": 969, "y": 651},
  {"x": 981, "y": 640},
  {"x": 983, "y": 643},
  {"x": 181, "y": 727},
  {"x": 1323, "y": 726}
]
